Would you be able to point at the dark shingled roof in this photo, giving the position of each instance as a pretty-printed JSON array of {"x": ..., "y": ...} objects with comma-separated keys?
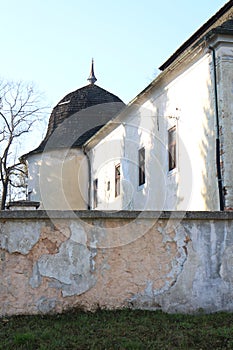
[{"x": 78, "y": 116}]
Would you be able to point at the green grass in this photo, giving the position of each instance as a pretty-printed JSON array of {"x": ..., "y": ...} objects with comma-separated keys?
[{"x": 121, "y": 329}]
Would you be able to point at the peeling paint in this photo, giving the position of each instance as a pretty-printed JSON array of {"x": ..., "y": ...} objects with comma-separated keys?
[
  {"x": 13, "y": 240},
  {"x": 46, "y": 305},
  {"x": 35, "y": 279},
  {"x": 71, "y": 267},
  {"x": 175, "y": 266},
  {"x": 226, "y": 268}
]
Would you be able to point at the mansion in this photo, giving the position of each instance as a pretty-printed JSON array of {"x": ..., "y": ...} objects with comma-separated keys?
[{"x": 170, "y": 148}]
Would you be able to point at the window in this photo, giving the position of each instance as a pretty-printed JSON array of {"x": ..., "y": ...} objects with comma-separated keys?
[
  {"x": 117, "y": 180},
  {"x": 172, "y": 148},
  {"x": 108, "y": 186},
  {"x": 141, "y": 166},
  {"x": 95, "y": 193}
]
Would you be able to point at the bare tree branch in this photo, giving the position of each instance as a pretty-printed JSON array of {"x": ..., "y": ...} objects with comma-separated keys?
[
  {"x": 20, "y": 108},
  {"x": 6, "y": 121}
]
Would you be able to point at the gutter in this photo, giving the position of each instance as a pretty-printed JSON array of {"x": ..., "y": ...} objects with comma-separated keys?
[{"x": 218, "y": 160}]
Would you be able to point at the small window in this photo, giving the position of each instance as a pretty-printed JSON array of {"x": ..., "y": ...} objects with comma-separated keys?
[
  {"x": 95, "y": 193},
  {"x": 117, "y": 180},
  {"x": 172, "y": 148},
  {"x": 108, "y": 186},
  {"x": 141, "y": 166}
]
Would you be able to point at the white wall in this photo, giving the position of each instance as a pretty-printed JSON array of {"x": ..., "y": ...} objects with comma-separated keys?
[
  {"x": 59, "y": 179},
  {"x": 185, "y": 99},
  {"x": 104, "y": 158}
]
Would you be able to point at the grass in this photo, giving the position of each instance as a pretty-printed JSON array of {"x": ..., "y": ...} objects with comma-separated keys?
[{"x": 121, "y": 329}]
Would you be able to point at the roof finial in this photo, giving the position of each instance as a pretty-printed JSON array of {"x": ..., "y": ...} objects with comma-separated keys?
[{"x": 92, "y": 79}]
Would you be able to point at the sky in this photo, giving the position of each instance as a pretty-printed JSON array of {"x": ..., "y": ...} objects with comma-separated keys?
[{"x": 52, "y": 42}]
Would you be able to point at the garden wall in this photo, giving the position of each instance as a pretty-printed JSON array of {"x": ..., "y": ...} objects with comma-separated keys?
[{"x": 173, "y": 261}]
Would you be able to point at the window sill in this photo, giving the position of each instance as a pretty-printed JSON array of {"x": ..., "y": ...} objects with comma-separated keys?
[
  {"x": 141, "y": 187},
  {"x": 172, "y": 172}
]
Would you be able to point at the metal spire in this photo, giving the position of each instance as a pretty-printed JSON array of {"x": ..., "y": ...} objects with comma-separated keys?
[{"x": 92, "y": 79}]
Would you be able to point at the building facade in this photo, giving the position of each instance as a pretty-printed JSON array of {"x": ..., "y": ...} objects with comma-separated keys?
[
  {"x": 172, "y": 145},
  {"x": 169, "y": 149}
]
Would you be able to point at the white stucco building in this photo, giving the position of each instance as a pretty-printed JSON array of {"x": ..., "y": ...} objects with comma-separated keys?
[{"x": 169, "y": 149}]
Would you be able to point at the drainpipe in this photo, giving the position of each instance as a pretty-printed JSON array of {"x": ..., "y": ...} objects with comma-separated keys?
[
  {"x": 218, "y": 162},
  {"x": 89, "y": 179}
]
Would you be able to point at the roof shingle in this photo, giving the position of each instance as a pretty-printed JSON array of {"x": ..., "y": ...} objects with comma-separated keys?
[{"x": 78, "y": 116}]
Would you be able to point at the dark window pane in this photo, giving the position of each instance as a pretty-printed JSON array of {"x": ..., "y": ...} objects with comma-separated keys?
[
  {"x": 172, "y": 148},
  {"x": 141, "y": 166},
  {"x": 95, "y": 193},
  {"x": 117, "y": 180}
]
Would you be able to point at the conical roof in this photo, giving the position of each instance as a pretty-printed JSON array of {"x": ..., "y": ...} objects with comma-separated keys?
[{"x": 78, "y": 116}]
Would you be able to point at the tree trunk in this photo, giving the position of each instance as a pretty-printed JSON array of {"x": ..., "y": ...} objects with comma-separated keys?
[{"x": 4, "y": 195}]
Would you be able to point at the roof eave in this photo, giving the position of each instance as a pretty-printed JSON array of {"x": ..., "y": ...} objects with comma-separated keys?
[
  {"x": 114, "y": 123},
  {"x": 119, "y": 118}
]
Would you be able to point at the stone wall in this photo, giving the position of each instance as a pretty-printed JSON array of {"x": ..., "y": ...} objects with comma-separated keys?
[{"x": 174, "y": 261}]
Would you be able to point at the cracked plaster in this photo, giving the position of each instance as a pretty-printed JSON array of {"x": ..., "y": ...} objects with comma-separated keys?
[{"x": 176, "y": 266}]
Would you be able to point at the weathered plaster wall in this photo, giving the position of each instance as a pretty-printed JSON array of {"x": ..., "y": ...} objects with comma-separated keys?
[
  {"x": 177, "y": 262},
  {"x": 224, "y": 53}
]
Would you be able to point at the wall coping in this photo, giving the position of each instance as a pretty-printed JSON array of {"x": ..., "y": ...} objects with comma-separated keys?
[{"x": 124, "y": 214}]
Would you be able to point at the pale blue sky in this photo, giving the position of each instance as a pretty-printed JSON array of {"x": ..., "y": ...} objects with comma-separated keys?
[{"x": 51, "y": 42}]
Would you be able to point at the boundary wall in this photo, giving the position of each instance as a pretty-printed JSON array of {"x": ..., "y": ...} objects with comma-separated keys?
[{"x": 174, "y": 261}]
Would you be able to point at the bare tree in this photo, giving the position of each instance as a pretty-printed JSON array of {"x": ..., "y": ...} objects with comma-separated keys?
[{"x": 20, "y": 109}]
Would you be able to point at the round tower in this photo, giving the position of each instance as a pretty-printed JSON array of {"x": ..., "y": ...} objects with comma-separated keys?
[{"x": 58, "y": 168}]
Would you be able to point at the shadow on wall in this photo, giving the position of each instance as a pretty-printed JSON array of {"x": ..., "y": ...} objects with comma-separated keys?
[
  {"x": 209, "y": 190},
  {"x": 148, "y": 129}
]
